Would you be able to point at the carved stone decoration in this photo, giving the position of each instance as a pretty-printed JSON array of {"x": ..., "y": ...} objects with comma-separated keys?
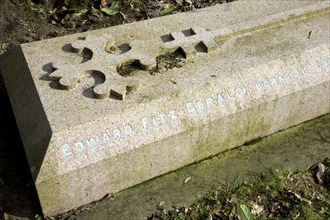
[
  {"x": 105, "y": 61},
  {"x": 107, "y": 58},
  {"x": 191, "y": 41}
]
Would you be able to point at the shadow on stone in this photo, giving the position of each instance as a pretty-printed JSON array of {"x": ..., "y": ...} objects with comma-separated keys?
[
  {"x": 18, "y": 196},
  {"x": 48, "y": 69},
  {"x": 38, "y": 132},
  {"x": 86, "y": 53},
  {"x": 89, "y": 82}
]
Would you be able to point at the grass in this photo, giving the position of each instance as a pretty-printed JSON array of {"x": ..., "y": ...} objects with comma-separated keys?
[{"x": 276, "y": 194}]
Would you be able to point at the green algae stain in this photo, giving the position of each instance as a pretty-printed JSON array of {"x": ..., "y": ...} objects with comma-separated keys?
[
  {"x": 233, "y": 131},
  {"x": 280, "y": 150}
]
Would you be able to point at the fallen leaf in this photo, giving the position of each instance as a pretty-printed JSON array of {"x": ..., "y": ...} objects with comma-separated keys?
[
  {"x": 38, "y": 217},
  {"x": 168, "y": 10},
  {"x": 123, "y": 15},
  {"x": 187, "y": 179},
  {"x": 79, "y": 13},
  {"x": 103, "y": 3},
  {"x": 257, "y": 209},
  {"x": 179, "y": 2},
  {"x": 113, "y": 9},
  {"x": 189, "y": 2},
  {"x": 162, "y": 203},
  {"x": 244, "y": 212}
]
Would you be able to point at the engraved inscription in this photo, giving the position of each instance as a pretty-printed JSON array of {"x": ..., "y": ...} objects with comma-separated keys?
[{"x": 192, "y": 107}]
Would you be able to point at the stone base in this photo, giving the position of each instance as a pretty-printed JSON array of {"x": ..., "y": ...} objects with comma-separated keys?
[{"x": 91, "y": 126}]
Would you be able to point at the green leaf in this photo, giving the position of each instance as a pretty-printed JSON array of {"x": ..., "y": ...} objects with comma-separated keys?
[
  {"x": 36, "y": 7},
  {"x": 244, "y": 212},
  {"x": 80, "y": 13},
  {"x": 168, "y": 10},
  {"x": 113, "y": 9},
  {"x": 38, "y": 217}
]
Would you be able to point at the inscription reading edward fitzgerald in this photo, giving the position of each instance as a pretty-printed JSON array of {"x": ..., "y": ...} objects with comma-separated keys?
[{"x": 115, "y": 136}]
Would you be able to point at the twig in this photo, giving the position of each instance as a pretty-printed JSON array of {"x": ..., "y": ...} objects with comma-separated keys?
[
  {"x": 300, "y": 198},
  {"x": 325, "y": 140}
]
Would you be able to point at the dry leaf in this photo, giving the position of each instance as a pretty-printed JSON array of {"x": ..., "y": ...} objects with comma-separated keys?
[
  {"x": 103, "y": 3},
  {"x": 257, "y": 209},
  {"x": 179, "y": 2},
  {"x": 189, "y": 2},
  {"x": 187, "y": 179}
]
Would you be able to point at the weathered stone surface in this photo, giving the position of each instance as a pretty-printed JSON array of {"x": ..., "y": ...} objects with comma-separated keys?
[{"x": 89, "y": 129}]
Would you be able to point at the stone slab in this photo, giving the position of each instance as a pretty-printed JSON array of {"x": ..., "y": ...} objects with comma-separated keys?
[
  {"x": 247, "y": 70},
  {"x": 293, "y": 149}
]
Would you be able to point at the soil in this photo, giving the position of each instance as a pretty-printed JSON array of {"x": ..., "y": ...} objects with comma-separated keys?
[{"x": 23, "y": 21}]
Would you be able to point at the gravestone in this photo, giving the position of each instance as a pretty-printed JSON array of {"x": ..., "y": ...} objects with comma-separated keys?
[{"x": 104, "y": 110}]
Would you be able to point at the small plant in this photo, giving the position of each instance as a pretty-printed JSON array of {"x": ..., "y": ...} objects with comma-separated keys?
[
  {"x": 113, "y": 9},
  {"x": 276, "y": 194},
  {"x": 36, "y": 7}
]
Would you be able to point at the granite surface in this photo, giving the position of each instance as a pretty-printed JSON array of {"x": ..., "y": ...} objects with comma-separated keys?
[{"x": 89, "y": 129}]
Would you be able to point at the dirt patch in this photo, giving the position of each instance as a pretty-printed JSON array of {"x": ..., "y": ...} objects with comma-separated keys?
[
  {"x": 163, "y": 63},
  {"x": 18, "y": 24},
  {"x": 168, "y": 61},
  {"x": 23, "y": 21}
]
